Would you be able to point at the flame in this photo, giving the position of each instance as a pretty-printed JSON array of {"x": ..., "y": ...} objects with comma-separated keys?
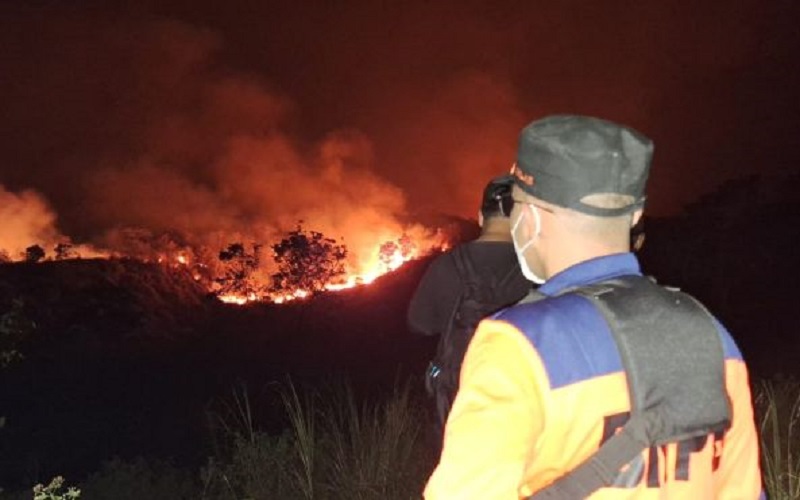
[
  {"x": 385, "y": 258},
  {"x": 238, "y": 299},
  {"x": 367, "y": 261}
]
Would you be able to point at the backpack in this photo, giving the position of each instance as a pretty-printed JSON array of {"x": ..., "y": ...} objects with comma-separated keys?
[
  {"x": 641, "y": 315},
  {"x": 478, "y": 300}
]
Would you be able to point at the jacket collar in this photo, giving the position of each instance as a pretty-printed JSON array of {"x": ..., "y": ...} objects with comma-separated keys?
[{"x": 592, "y": 271}]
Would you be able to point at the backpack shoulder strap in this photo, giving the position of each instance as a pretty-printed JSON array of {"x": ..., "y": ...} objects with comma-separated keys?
[
  {"x": 603, "y": 467},
  {"x": 464, "y": 265}
]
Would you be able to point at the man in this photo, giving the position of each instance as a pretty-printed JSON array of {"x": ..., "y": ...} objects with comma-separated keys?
[
  {"x": 546, "y": 383},
  {"x": 462, "y": 287}
]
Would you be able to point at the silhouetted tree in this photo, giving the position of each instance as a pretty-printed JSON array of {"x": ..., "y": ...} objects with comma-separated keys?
[
  {"x": 240, "y": 267},
  {"x": 4, "y": 257},
  {"x": 307, "y": 260},
  {"x": 34, "y": 253},
  {"x": 65, "y": 251}
]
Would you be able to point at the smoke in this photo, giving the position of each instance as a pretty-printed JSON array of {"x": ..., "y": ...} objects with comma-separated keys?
[
  {"x": 27, "y": 220},
  {"x": 173, "y": 143},
  {"x": 219, "y": 125}
]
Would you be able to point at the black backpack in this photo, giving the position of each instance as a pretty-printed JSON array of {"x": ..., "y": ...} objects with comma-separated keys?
[
  {"x": 478, "y": 300},
  {"x": 665, "y": 338}
]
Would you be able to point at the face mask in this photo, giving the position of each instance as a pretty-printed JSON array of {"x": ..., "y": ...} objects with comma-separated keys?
[{"x": 520, "y": 250}]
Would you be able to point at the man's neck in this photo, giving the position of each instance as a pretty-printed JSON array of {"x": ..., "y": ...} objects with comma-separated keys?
[
  {"x": 495, "y": 234},
  {"x": 495, "y": 230},
  {"x": 578, "y": 252}
]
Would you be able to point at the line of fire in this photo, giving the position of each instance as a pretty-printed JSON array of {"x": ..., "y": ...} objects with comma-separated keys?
[{"x": 303, "y": 263}]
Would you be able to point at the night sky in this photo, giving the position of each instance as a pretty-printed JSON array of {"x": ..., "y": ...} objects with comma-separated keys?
[{"x": 199, "y": 115}]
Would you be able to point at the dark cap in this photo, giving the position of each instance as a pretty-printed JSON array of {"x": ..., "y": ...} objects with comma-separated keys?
[
  {"x": 497, "y": 196},
  {"x": 563, "y": 159}
]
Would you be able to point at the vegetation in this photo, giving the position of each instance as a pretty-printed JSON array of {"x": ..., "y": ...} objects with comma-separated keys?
[
  {"x": 138, "y": 479},
  {"x": 34, "y": 253},
  {"x": 778, "y": 406},
  {"x": 307, "y": 260},
  {"x": 105, "y": 370},
  {"x": 65, "y": 251},
  {"x": 14, "y": 328},
  {"x": 334, "y": 448},
  {"x": 240, "y": 268},
  {"x": 338, "y": 448},
  {"x": 55, "y": 491},
  {"x": 404, "y": 246}
]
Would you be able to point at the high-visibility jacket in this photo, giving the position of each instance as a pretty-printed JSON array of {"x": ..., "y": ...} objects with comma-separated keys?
[{"x": 542, "y": 386}]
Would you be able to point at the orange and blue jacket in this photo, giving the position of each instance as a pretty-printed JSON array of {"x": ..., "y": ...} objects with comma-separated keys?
[{"x": 542, "y": 387}]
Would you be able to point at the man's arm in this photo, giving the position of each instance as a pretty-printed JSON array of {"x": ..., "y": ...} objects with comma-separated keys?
[
  {"x": 495, "y": 420},
  {"x": 739, "y": 475}
]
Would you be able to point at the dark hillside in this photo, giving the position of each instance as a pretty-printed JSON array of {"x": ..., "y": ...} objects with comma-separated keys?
[
  {"x": 737, "y": 251},
  {"x": 126, "y": 357}
]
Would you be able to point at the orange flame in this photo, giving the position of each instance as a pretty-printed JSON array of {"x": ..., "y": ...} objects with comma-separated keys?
[
  {"x": 386, "y": 258},
  {"x": 364, "y": 270}
]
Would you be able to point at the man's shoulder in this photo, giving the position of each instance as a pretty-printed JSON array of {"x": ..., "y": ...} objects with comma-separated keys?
[
  {"x": 488, "y": 250},
  {"x": 535, "y": 309},
  {"x": 480, "y": 254},
  {"x": 569, "y": 335},
  {"x": 442, "y": 263}
]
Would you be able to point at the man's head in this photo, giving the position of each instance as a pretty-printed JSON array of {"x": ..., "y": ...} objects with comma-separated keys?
[
  {"x": 579, "y": 187},
  {"x": 496, "y": 201},
  {"x": 496, "y": 206}
]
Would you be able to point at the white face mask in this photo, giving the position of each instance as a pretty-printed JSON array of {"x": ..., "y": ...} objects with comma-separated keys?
[{"x": 520, "y": 250}]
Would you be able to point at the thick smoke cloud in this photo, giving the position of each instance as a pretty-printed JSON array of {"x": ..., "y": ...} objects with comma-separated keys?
[
  {"x": 26, "y": 218},
  {"x": 172, "y": 143},
  {"x": 224, "y": 122}
]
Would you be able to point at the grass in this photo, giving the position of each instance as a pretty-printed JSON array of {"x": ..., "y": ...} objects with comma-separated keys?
[
  {"x": 336, "y": 447},
  {"x": 339, "y": 446},
  {"x": 778, "y": 408},
  {"x": 374, "y": 451}
]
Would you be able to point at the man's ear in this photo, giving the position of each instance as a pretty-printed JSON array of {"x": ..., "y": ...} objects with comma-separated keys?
[{"x": 480, "y": 219}]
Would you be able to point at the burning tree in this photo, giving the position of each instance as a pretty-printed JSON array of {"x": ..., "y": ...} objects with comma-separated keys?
[
  {"x": 307, "y": 260},
  {"x": 393, "y": 252},
  {"x": 34, "y": 253},
  {"x": 240, "y": 267},
  {"x": 65, "y": 251}
]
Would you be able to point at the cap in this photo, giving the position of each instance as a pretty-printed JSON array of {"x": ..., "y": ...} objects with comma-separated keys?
[
  {"x": 565, "y": 159},
  {"x": 497, "y": 196}
]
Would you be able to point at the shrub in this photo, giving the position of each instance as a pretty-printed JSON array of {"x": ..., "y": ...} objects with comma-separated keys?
[
  {"x": 55, "y": 491},
  {"x": 138, "y": 479},
  {"x": 373, "y": 451},
  {"x": 778, "y": 408},
  {"x": 249, "y": 463},
  {"x": 307, "y": 260},
  {"x": 336, "y": 449}
]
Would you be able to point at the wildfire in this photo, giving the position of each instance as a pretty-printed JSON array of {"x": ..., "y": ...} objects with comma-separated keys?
[
  {"x": 387, "y": 258},
  {"x": 239, "y": 275}
]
